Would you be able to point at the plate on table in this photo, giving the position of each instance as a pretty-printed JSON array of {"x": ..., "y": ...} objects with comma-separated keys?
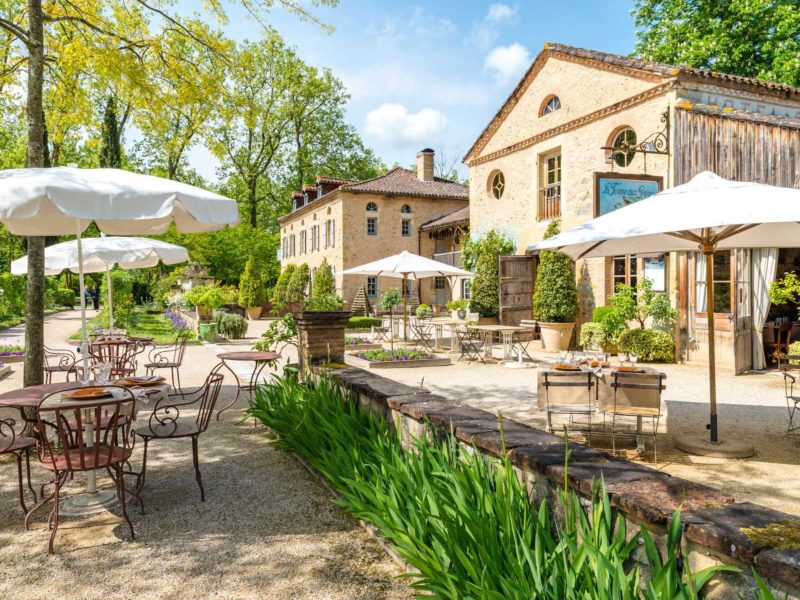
[
  {"x": 142, "y": 381},
  {"x": 630, "y": 370},
  {"x": 565, "y": 367},
  {"x": 90, "y": 393}
]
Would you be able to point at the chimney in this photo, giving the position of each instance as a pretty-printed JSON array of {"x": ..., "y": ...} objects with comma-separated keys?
[{"x": 425, "y": 164}]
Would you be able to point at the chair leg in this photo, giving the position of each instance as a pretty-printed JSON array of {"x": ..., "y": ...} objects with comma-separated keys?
[
  {"x": 21, "y": 487},
  {"x": 121, "y": 493},
  {"x": 197, "y": 469},
  {"x": 28, "y": 473},
  {"x": 178, "y": 377},
  {"x": 54, "y": 514},
  {"x": 140, "y": 477}
]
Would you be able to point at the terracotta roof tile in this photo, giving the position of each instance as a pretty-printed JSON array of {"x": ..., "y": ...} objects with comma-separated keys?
[
  {"x": 404, "y": 182},
  {"x": 454, "y": 218},
  {"x": 739, "y": 115}
]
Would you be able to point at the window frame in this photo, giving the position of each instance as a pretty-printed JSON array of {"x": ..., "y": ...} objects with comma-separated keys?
[
  {"x": 730, "y": 282},
  {"x": 466, "y": 288},
  {"x": 372, "y": 282},
  {"x": 546, "y": 107},
  {"x": 497, "y": 191},
  {"x": 630, "y": 154},
  {"x": 549, "y": 204},
  {"x": 372, "y": 207},
  {"x": 372, "y": 221},
  {"x": 405, "y": 228},
  {"x": 405, "y": 209}
]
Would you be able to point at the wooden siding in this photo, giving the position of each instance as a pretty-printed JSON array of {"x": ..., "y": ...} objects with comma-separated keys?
[
  {"x": 517, "y": 282},
  {"x": 735, "y": 149}
]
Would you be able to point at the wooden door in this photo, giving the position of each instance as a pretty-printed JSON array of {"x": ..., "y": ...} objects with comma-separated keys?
[{"x": 517, "y": 280}]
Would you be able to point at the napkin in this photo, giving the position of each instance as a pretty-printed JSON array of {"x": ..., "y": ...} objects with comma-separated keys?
[{"x": 138, "y": 393}]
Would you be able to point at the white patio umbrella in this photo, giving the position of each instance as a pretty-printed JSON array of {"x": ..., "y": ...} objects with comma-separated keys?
[
  {"x": 407, "y": 266},
  {"x": 65, "y": 200},
  {"x": 102, "y": 254},
  {"x": 706, "y": 214}
]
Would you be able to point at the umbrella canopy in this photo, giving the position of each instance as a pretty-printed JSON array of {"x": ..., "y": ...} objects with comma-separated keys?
[
  {"x": 62, "y": 200},
  {"x": 407, "y": 265},
  {"x": 707, "y": 210},
  {"x": 103, "y": 253},
  {"x": 707, "y": 214}
]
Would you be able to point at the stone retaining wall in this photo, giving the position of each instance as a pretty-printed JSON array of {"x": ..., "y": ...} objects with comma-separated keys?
[{"x": 713, "y": 520}]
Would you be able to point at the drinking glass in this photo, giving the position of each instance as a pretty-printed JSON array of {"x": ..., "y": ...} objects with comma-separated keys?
[
  {"x": 102, "y": 373},
  {"x": 634, "y": 359},
  {"x": 562, "y": 356}
]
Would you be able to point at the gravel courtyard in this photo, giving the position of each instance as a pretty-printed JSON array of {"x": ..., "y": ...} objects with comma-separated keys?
[{"x": 267, "y": 529}]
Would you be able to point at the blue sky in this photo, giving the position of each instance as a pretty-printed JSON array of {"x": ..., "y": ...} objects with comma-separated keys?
[{"x": 433, "y": 73}]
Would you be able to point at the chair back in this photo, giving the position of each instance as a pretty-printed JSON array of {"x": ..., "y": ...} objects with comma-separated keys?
[
  {"x": 568, "y": 388},
  {"x": 209, "y": 394},
  {"x": 172, "y": 353},
  {"x": 79, "y": 435},
  {"x": 7, "y": 435},
  {"x": 165, "y": 420},
  {"x": 120, "y": 353},
  {"x": 63, "y": 359},
  {"x": 768, "y": 334},
  {"x": 637, "y": 393}
]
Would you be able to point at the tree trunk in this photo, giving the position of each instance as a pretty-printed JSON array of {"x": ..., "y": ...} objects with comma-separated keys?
[
  {"x": 34, "y": 318},
  {"x": 251, "y": 192}
]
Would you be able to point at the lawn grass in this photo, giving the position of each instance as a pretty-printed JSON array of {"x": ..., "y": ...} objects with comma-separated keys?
[{"x": 157, "y": 327}]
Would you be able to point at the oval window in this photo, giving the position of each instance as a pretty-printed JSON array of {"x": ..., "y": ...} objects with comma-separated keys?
[
  {"x": 624, "y": 147},
  {"x": 372, "y": 207},
  {"x": 552, "y": 104},
  {"x": 497, "y": 184}
]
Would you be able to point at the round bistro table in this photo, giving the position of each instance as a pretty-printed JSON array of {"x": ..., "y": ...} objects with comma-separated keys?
[
  {"x": 93, "y": 500},
  {"x": 260, "y": 360}
]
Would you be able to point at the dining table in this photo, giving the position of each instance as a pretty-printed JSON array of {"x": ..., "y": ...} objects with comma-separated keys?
[
  {"x": 439, "y": 324},
  {"x": 27, "y": 399},
  {"x": 506, "y": 335},
  {"x": 259, "y": 359}
]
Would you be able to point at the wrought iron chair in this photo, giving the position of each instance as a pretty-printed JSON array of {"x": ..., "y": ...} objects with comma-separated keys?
[
  {"x": 166, "y": 423},
  {"x": 471, "y": 343},
  {"x": 59, "y": 361},
  {"x": 20, "y": 446},
  {"x": 169, "y": 357},
  {"x": 636, "y": 395},
  {"x": 423, "y": 333},
  {"x": 792, "y": 404},
  {"x": 120, "y": 353},
  {"x": 107, "y": 443},
  {"x": 521, "y": 340},
  {"x": 569, "y": 393}
]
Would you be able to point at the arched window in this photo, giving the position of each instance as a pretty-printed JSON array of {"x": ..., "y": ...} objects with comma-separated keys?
[
  {"x": 372, "y": 207},
  {"x": 624, "y": 146},
  {"x": 405, "y": 209},
  {"x": 497, "y": 184},
  {"x": 551, "y": 103}
]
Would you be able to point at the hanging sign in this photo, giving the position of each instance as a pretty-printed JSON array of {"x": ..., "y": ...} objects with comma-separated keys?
[{"x": 616, "y": 190}]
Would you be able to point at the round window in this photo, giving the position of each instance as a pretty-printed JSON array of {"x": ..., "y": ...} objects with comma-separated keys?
[
  {"x": 624, "y": 147},
  {"x": 497, "y": 184},
  {"x": 372, "y": 207}
]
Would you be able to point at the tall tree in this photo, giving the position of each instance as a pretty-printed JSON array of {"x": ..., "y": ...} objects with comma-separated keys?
[
  {"x": 110, "y": 143},
  {"x": 754, "y": 38}
]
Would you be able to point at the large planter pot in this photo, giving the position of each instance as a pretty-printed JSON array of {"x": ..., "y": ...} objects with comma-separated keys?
[
  {"x": 208, "y": 332},
  {"x": 556, "y": 336},
  {"x": 320, "y": 336},
  {"x": 254, "y": 313},
  {"x": 487, "y": 321},
  {"x": 204, "y": 315}
]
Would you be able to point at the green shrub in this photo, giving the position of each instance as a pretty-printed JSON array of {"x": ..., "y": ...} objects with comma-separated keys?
[
  {"x": 297, "y": 289},
  {"x": 458, "y": 304},
  {"x": 231, "y": 325},
  {"x": 279, "y": 334},
  {"x": 324, "y": 284},
  {"x": 600, "y": 312},
  {"x": 592, "y": 336},
  {"x": 651, "y": 345},
  {"x": 463, "y": 522},
  {"x": 125, "y": 314},
  {"x": 643, "y": 303},
  {"x": 555, "y": 299},
  {"x": 363, "y": 323},
  {"x": 65, "y": 297},
  {"x": 210, "y": 297},
  {"x": 282, "y": 286},
  {"x": 485, "y": 254},
  {"x": 251, "y": 287},
  {"x": 324, "y": 302},
  {"x": 423, "y": 310}
]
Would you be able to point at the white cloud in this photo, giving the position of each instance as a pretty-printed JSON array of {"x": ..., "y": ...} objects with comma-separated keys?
[
  {"x": 392, "y": 123},
  {"x": 501, "y": 12},
  {"x": 423, "y": 23},
  {"x": 508, "y": 62}
]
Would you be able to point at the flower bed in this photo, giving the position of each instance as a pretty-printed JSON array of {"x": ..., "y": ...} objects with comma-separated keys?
[
  {"x": 11, "y": 354},
  {"x": 401, "y": 358},
  {"x": 353, "y": 342}
]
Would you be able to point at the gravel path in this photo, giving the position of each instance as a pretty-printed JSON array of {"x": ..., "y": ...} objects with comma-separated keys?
[{"x": 267, "y": 529}]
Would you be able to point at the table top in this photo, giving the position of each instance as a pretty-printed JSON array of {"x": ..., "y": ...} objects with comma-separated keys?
[
  {"x": 645, "y": 370},
  {"x": 142, "y": 341},
  {"x": 30, "y": 397},
  {"x": 251, "y": 355},
  {"x": 500, "y": 328}
]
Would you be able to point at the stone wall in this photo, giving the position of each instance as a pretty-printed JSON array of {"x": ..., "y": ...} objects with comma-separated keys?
[{"x": 712, "y": 519}]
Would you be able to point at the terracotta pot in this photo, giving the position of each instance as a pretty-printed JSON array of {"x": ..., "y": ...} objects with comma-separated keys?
[
  {"x": 556, "y": 336},
  {"x": 254, "y": 313}
]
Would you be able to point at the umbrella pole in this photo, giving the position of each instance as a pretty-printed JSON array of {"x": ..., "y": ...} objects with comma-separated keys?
[
  {"x": 708, "y": 250},
  {"x": 81, "y": 285},
  {"x": 110, "y": 292},
  {"x": 405, "y": 306}
]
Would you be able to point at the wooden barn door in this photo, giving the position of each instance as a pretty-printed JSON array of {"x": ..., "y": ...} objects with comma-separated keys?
[{"x": 517, "y": 279}]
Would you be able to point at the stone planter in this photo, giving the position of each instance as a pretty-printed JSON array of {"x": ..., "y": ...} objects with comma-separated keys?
[
  {"x": 254, "y": 313},
  {"x": 4, "y": 370},
  {"x": 320, "y": 336},
  {"x": 12, "y": 358},
  {"x": 355, "y": 361},
  {"x": 556, "y": 336},
  {"x": 364, "y": 346}
]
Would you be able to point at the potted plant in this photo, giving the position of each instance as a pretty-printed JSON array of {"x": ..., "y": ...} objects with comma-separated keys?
[
  {"x": 320, "y": 331},
  {"x": 207, "y": 299},
  {"x": 459, "y": 306},
  {"x": 423, "y": 310},
  {"x": 555, "y": 300},
  {"x": 251, "y": 290}
]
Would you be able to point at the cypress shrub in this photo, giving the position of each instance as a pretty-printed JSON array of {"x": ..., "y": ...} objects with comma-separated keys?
[
  {"x": 485, "y": 298},
  {"x": 251, "y": 287},
  {"x": 555, "y": 299},
  {"x": 324, "y": 284},
  {"x": 282, "y": 285},
  {"x": 297, "y": 290}
]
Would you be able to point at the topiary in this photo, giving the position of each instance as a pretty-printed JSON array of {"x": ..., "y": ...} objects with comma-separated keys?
[
  {"x": 297, "y": 290},
  {"x": 324, "y": 283},
  {"x": 555, "y": 299},
  {"x": 600, "y": 312},
  {"x": 282, "y": 285},
  {"x": 423, "y": 310},
  {"x": 485, "y": 298},
  {"x": 651, "y": 345},
  {"x": 251, "y": 287}
]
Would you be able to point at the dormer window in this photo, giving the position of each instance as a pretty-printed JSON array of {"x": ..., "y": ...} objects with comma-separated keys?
[
  {"x": 319, "y": 190},
  {"x": 372, "y": 207},
  {"x": 405, "y": 209},
  {"x": 306, "y": 197},
  {"x": 551, "y": 104}
]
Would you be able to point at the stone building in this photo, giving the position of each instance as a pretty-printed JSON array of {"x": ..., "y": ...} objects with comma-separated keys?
[
  {"x": 354, "y": 222},
  {"x": 586, "y": 132}
]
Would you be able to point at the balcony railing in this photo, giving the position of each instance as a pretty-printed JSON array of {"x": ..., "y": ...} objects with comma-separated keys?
[
  {"x": 550, "y": 201},
  {"x": 449, "y": 258}
]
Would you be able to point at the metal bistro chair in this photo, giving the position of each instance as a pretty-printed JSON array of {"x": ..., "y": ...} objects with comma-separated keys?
[
  {"x": 169, "y": 357},
  {"x": 166, "y": 423},
  {"x": 471, "y": 344},
  {"x": 107, "y": 443},
  {"x": 120, "y": 353},
  {"x": 572, "y": 394},
  {"x": 423, "y": 332},
  {"x": 792, "y": 404},
  {"x": 20, "y": 446},
  {"x": 636, "y": 395},
  {"x": 59, "y": 361},
  {"x": 521, "y": 340}
]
